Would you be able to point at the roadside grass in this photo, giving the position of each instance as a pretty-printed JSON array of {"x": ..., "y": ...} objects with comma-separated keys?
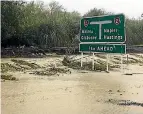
[
  {"x": 22, "y": 62},
  {"x": 51, "y": 71},
  {"x": 101, "y": 56},
  {"x": 100, "y": 65},
  {"x": 18, "y": 65},
  {"x": 138, "y": 56},
  {"x": 5, "y": 67},
  {"x": 131, "y": 60},
  {"x": 21, "y": 65},
  {"x": 6, "y": 76}
]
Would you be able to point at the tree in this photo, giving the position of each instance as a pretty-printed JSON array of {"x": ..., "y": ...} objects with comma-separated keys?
[
  {"x": 11, "y": 15},
  {"x": 96, "y": 12},
  {"x": 31, "y": 23}
]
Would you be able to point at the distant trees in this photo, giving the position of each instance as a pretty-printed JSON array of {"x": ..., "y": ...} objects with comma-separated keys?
[
  {"x": 31, "y": 23},
  {"x": 96, "y": 12},
  {"x": 11, "y": 15},
  {"x": 134, "y": 30}
]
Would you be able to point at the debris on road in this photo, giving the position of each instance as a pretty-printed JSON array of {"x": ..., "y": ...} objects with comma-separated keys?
[
  {"x": 7, "y": 77},
  {"x": 51, "y": 71}
]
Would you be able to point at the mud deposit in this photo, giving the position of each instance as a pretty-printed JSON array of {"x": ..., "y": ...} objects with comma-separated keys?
[{"x": 72, "y": 92}]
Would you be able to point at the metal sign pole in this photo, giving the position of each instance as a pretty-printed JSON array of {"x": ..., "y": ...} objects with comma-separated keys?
[
  {"x": 127, "y": 63},
  {"x": 93, "y": 62},
  {"x": 121, "y": 63},
  {"x": 128, "y": 72},
  {"x": 107, "y": 65},
  {"x": 81, "y": 59},
  {"x": 128, "y": 69}
]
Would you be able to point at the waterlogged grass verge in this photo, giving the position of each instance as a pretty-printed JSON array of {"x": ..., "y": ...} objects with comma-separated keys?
[
  {"x": 21, "y": 62},
  {"x": 99, "y": 65},
  {"x": 130, "y": 60},
  {"x": 6, "y": 76},
  {"x": 18, "y": 65},
  {"x": 51, "y": 71},
  {"x": 5, "y": 67}
]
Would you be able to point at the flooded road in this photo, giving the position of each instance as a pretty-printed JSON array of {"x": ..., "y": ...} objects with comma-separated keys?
[
  {"x": 81, "y": 92},
  {"x": 86, "y": 93}
]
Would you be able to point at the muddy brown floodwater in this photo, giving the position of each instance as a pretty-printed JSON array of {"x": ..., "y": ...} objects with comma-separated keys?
[{"x": 76, "y": 93}]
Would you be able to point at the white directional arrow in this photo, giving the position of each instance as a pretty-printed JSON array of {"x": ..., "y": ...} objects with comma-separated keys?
[{"x": 100, "y": 25}]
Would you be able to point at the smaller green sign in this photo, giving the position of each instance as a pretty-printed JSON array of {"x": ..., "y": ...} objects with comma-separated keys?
[{"x": 103, "y": 48}]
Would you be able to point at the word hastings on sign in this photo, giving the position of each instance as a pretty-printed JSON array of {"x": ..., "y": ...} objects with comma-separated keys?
[
  {"x": 110, "y": 28},
  {"x": 108, "y": 48}
]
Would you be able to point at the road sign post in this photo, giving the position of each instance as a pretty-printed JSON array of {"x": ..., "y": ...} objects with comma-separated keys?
[
  {"x": 121, "y": 63},
  {"x": 103, "y": 34},
  {"x": 93, "y": 62},
  {"x": 107, "y": 63},
  {"x": 81, "y": 60}
]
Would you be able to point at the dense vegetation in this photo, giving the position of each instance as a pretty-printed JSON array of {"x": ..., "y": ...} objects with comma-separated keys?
[{"x": 34, "y": 24}]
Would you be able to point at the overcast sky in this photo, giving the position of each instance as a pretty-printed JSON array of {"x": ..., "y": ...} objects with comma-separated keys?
[{"x": 131, "y": 8}]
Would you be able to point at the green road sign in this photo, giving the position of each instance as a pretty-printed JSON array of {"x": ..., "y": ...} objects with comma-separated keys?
[
  {"x": 109, "y": 28},
  {"x": 103, "y": 48}
]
